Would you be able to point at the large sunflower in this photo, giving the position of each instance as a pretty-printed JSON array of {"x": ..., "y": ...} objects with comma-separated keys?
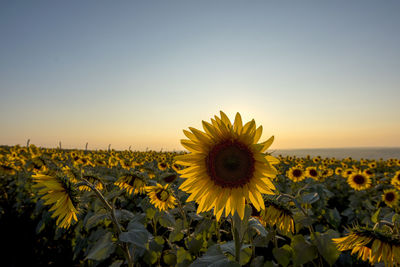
[{"x": 226, "y": 166}]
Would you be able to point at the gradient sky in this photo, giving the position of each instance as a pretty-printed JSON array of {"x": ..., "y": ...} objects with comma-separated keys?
[{"x": 128, "y": 73}]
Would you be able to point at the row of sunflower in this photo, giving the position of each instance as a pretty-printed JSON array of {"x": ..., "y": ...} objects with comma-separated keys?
[{"x": 226, "y": 203}]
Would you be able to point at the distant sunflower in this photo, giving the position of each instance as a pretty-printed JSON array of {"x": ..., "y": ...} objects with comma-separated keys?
[
  {"x": 396, "y": 180},
  {"x": 359, "y": 181},
  {"x": 312, "y": 172},
  {"x": 338, "y": 171},
  {"x": 390, "y": 197},
  {"x": 226, "y": 166},
  {"x": 369, "y": 172},
  {"x": 296, "y": 174},
  {"x": 161, "y": 197},
  {"x": 131, "y": 183},
  {"x": 277, "y": 214},
  {"x": 175, "y": 167},
  {"x": 371, "y": 245},
  {"x": 347, "y": 172},
  {"x": 58, "y": 192},
  {"x": 162, "y": 165}
]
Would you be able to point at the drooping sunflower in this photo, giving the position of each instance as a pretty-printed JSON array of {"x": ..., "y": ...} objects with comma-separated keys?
[
  {"x": 131, "y": 183},
  {"x": 226, "y": 166},
  {"x": 371, "y": 245},
  {"x": 390, "y": 197},
  {"x": 359, "y": 181},
  {"x": 93, "y": 179},
  {"x": 161, "y": 197},
  {"x": 277, "y": 214},
  {"x": 60, "y": 193},
  {"x": 296, "y": 174}
]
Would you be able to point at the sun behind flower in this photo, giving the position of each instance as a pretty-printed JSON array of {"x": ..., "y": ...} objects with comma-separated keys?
[{"x": 226, "y": 166}]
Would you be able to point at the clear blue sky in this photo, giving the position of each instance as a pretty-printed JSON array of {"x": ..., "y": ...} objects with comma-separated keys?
[{"x": 313, "y": 73}]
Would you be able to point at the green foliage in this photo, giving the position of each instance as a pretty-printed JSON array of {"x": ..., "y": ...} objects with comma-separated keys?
[{"x": 321, "y": 210}]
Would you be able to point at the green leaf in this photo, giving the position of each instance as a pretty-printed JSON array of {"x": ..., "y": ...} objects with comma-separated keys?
[
  {"x": 333, "y": 217},
  {"x": 195, "y": 244},
  {"x": 150, "y": 257},
  {"x": 396, "y": 218},
  {"x": 375, "y": 217},
  {"x": 310, "y": 198},
  {"x": 257, "y": 226},
  {"x": 150, "y": 212},
  {"x": 159, "y": 240},
  {"x": 214, "y": 257},
  {"x": 102, "y": 248},
  {"x": 325, "y": 246},
  {"x": 137, "y": 235},
  {"x": 95, "y": 219},
  {"x": 117, "y": 263},
  {"x": 245, "y": 255},
  {"x": 183, "y": 255},
  {"x": 283, "y": 255},
  {"x": 166, "y": 219},
  {"x": 303, "y": 252},
  {"x": 170, "y": 259},
  {"x": 123, "y": 215}
]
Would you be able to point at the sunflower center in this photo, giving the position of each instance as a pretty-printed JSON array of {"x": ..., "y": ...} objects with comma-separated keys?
[
  {"x": 297, "y": 173},
  {"x": 313, "y": 173},
  {"x": 389, "y": 196},
  {"x": 230, "y": 164},
  {"x": 359, "y": 179}
]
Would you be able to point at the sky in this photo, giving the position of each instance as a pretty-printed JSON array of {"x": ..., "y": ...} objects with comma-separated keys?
[{"x": 315, "y": 74}]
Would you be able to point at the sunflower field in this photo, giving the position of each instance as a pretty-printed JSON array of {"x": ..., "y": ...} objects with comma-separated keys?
[{"x": 225, "y": 202}]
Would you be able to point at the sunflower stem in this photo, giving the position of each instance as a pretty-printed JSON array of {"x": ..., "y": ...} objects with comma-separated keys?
[
  {"x": 236, "y": 239},
  {"x": 111, "y": 209}
]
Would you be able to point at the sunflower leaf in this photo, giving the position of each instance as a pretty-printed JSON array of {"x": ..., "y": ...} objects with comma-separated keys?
[
  {"x": 325, "y": 246},
  {"x": 214, "y": 257},
  {"x": 102, "y": 248},
  {"x": 137, "y": 235},
  {"x": 258, "y": 227}
]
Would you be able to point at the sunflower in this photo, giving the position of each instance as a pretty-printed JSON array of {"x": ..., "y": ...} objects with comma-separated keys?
[
  {"x": 338, "y": 171},
  {"x": 93, "y": 179},
  {"x": 396, "y": 180},
  {"x": 58, "y": 192},
  {"x": 312, "y": 172},
  {"x": 372, "y": 245},
  {"x": 226, "y": 166},
  {"x": 277, "y": 214},
  {"x": 162, "y": 165},
  {"x": 347, "y": 172},
  {"x": 359, "y": 181},
  {"x": 161, "y": 197},
  {"x": 131, "y": 183},
  {"x": 391, "y": 197},
  {"x": 296, "y": 174}
]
